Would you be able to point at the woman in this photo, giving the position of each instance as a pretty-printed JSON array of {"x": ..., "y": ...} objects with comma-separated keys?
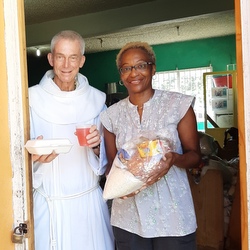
[{"x": 161, "y": 216}]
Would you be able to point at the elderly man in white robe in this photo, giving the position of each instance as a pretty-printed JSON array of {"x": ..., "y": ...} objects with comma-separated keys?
[{"x": 69, "y": 211}]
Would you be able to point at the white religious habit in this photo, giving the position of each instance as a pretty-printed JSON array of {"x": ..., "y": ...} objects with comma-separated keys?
[{"x": 69, "y": 211}]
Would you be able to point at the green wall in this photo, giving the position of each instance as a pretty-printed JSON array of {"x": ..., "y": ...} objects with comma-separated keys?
[
  {"x": 198, "y": 53},
  {"x": 100, "y": 68}
]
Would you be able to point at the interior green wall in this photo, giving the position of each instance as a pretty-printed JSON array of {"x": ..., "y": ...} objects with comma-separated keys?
[
  {"x": 100, "y": 68},
  {"x": 198, "y": 53}
]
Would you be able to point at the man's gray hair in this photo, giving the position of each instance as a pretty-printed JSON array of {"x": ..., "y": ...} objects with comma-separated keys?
[{"x": 68, "y": 35}]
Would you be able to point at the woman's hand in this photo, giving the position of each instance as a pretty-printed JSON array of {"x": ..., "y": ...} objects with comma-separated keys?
[
  {"x": 161, "y": 169},
  {"x": 134, "y": 193}
]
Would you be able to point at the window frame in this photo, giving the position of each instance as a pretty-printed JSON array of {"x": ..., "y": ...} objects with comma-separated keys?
[{"x": 175, "y": 80}]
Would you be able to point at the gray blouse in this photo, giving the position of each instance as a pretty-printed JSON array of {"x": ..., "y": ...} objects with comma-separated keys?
[{"x": 166, "y": 207}]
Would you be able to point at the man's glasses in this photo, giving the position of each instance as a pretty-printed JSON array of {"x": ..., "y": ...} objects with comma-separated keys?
[{"x": 141, "y": 67}]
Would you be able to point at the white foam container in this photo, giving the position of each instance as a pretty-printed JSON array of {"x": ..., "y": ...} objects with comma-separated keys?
[{"x": 45, "y": 147}]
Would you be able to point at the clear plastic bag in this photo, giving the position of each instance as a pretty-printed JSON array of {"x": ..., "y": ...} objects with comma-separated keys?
[{"x": 134, "y": 163}]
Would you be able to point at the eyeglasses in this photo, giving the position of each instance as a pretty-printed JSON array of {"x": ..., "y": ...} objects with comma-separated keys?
[{"x": 141, "y": 67}]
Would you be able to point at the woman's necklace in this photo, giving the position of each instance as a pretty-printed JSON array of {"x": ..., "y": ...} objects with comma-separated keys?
[
  {"x": 141, "y": 107},
  {"x": 138, "y": 111}
]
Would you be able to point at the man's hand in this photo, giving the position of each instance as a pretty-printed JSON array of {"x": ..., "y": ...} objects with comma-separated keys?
[
  {"x": 43, "y": 158},
  {"x": 94, "y": 138}
]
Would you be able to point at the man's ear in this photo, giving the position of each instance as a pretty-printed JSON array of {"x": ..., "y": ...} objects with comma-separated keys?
[
  {"x": 83, "y": 59},
  {"x": 50, "y": 59}
]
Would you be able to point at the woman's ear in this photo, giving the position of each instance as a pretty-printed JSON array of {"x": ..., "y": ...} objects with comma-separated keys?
[{"x": 153, "y": 69}]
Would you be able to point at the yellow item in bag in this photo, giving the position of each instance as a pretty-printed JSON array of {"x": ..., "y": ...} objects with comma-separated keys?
[{"x": 149, "y": 148}]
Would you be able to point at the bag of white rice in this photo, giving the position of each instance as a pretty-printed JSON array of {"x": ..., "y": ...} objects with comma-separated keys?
[{"x": 133, "y": 164}]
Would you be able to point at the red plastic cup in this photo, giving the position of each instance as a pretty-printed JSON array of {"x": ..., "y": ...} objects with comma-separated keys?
[{"x": 82, "y": 131}]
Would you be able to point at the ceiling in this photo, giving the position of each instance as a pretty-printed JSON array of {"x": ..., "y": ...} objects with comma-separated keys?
[{"x": 109, "y": 24}]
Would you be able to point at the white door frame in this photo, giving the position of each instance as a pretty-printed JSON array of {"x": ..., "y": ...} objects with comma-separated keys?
[{"x": 17, "y": 87}]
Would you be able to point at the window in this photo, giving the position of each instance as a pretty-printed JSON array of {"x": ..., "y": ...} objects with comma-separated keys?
[{"x": 186, "y": 81}]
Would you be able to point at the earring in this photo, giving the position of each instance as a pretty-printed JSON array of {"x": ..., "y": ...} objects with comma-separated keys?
[
  {"x": 121, "y": 83},
  {"x": 154, "y": 77}
]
